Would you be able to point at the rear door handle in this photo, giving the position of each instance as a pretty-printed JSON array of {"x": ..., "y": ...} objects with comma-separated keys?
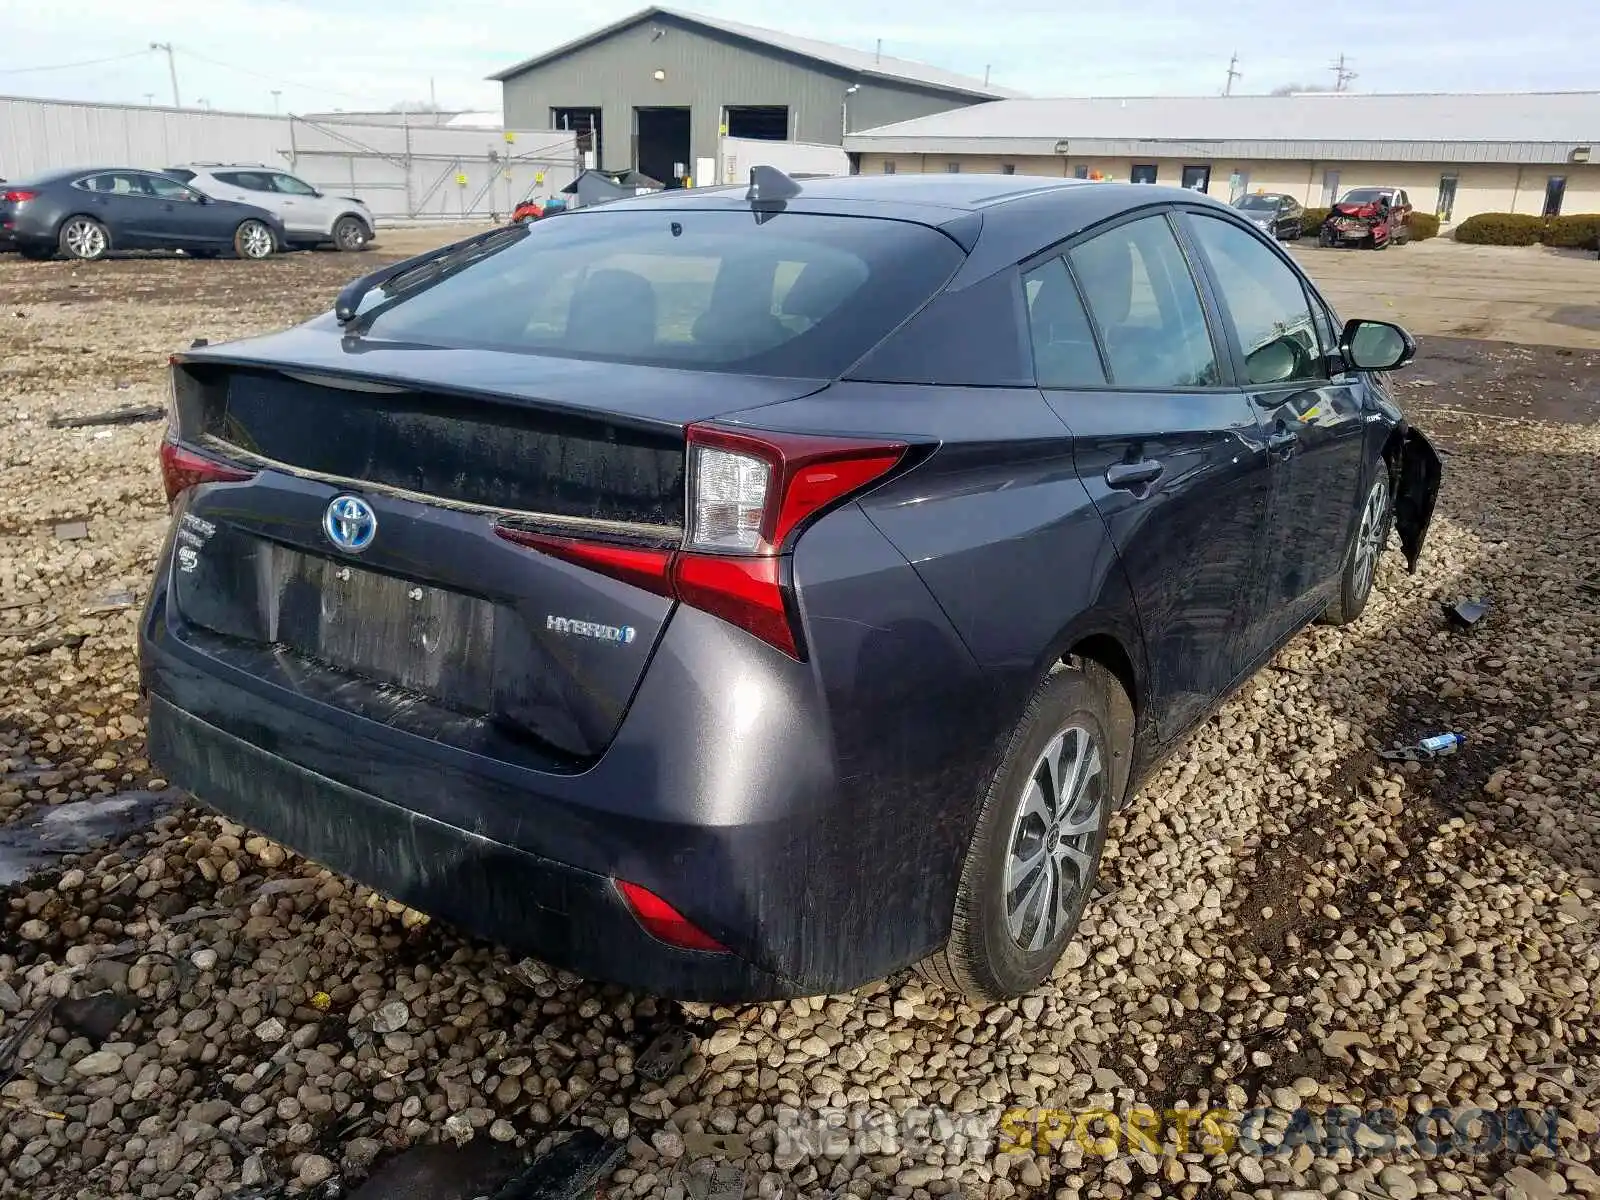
[{"x": 1133, "y": 475}]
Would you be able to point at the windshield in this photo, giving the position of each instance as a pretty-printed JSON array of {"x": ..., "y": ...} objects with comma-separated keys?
[
  {"x": 1260, "y": 203},
  {"x": 795, "y": 294},
  {"x": 1365, "y": 195}
]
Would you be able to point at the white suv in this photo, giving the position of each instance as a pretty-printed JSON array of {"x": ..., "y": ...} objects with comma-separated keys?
[{"x": 310, "y": 217}]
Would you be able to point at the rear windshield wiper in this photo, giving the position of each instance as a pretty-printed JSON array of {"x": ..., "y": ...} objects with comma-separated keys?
[{"x": 425, "y": 269}]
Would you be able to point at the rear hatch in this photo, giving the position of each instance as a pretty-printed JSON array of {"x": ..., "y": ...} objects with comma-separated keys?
[
  {"x": 527, "y": 386},
  {"x": 443, "y": 624}
]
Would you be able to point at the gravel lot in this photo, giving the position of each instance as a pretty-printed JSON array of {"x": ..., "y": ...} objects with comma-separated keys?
[{"x": 1289, "y": 918}]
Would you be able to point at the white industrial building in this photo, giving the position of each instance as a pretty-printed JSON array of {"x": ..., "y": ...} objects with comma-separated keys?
[{"x": 1456, "y": 154}]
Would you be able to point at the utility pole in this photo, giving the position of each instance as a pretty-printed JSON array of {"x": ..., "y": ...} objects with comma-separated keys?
[
  {"x": 433, "y": 97},
  {"x": 149, "y": 99},
  {"x": 275, "y": 95},
  {"x": 172, "y": 70},
  {"x": 1233, "y": 73},
  {"x": 1342, "y": 74}
]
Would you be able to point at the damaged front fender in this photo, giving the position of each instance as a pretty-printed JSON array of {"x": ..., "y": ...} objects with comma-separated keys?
[{"x": 1420, "y": 475}]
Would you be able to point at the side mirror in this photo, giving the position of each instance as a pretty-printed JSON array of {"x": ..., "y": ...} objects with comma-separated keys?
[{"x": 1376, "y": 345}]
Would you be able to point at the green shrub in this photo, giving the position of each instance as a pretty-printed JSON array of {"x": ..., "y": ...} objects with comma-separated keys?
[
  {"x": 1500, "y": 229},
  {"x": 1421, "y": 226},
  {"x": 1581, "y": 231},
  {"x": 1311, "y": 220}
]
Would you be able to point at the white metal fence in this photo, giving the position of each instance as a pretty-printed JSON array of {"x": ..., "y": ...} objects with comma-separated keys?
[{"x": 402, "y": 172}]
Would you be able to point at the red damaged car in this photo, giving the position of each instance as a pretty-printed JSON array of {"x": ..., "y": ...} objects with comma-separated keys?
[{"x": 1369, "y": 216}]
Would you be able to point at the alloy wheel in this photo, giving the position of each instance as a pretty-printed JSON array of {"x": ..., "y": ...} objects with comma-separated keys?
[
  {"x": 255, "y": 240},
  {"x": 85, "y": 238},
  {"x": 1372, "y": 534},
  {"x": 1052, "y": 848}
]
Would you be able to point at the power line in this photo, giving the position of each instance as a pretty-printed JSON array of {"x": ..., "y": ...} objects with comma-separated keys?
[
  {"x": 217, "y": 62},
  {"x": 88, "y": 62}
]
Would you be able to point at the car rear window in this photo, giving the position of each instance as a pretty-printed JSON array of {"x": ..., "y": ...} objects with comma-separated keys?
[
  {"x": 789, "y": 294},
  {"x": 179, "y": 173},
  {"x": 1250, "y": 203}
]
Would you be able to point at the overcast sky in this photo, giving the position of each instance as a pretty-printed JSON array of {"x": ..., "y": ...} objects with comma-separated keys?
[{"x": 352, "y": 54}]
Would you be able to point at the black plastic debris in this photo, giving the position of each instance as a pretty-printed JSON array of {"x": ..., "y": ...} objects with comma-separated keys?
[
  {"x": 1438, "y": 745},
  {"x": 127, "y": 415},
  {"x": 111, "y": 602},
  {"x": 667, "y": 1052},
  {"x": 1466, "y": 613},
  {"x": 95, "y": 1017},
  {"x": 61, "y": 641},
  {"x": 571, "y": 1171},
  {"x": 27, "y": 847}
]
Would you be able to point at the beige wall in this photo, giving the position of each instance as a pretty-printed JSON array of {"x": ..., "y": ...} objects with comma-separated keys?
[{"x": 1479, "y": 187}]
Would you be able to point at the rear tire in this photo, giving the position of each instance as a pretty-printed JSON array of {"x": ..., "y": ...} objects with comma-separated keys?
[
  {"x": 254, "y": 240},
  {"x": 1036, "y": 850},
  {"x": 84, "y": 239},
  {"x": 1360, "y": 572},
  {"x": 350, "y": 234}
]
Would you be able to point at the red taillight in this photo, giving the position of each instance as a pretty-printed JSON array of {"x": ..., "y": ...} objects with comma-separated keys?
[
  {"x": 748, "y": 493},
  {"x": 19, "y": 196},
  {"x": 665, "y": 923},
  {"x": 182, "y": 469}
]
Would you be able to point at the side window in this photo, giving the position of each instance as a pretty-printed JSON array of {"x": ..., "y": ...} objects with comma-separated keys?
[
  {"x": 169, "y": 189},
  {"x": 1266, "y": 304},
  {"x": 290, "y": 186},
  {"x": 250, "y": 181},
  {"x": 1144, "y": 300},
  {"x": 116, "y": 183},
  {"x": 1064, "y": 353}
]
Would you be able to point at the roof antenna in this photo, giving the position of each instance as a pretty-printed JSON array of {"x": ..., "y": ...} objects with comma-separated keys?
[{"x": 768, "y": 185}]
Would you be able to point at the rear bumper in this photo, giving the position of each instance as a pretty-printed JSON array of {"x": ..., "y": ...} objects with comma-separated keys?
[
  {"x": 811, "y": 817},
  {"x": 534, "y": 905}
]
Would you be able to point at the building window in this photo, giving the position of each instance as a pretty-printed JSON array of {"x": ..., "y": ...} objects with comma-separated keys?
[
  {"x": 585, "y": 123},
  {"x": 1143, "y": 173},
  {"x": 1008, "y": 168},
  {"x": 1196, "y": 179},
  {"x": 953, "y": 168},
  {"x": 761, "y": 122},
  {"x": 888, "y": 166},
  {"x": 1081, "y": 171},
  {"x": 1555, "y": 190}
]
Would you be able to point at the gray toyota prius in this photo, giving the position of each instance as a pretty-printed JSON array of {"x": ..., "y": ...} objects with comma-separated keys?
[{"x": 746, "y": 592}]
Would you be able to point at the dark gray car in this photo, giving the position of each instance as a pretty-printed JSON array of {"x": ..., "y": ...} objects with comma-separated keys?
[
  {"x": 88, "y": 212},
  {"x": 747, "y": 593}
]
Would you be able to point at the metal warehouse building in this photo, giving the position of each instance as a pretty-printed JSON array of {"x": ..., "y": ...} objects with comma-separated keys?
[
  {"x": 1455, "y": 154},
  {"x": 658, "y": 91}
]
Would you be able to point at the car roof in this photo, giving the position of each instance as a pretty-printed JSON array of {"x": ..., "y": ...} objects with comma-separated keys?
[
  {"x": 60, "y": 174},
  {"x": 1013, "y": 214}
]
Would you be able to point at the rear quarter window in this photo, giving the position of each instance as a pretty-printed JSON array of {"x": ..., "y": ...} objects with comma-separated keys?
[{"x": 795, "y": 294}]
